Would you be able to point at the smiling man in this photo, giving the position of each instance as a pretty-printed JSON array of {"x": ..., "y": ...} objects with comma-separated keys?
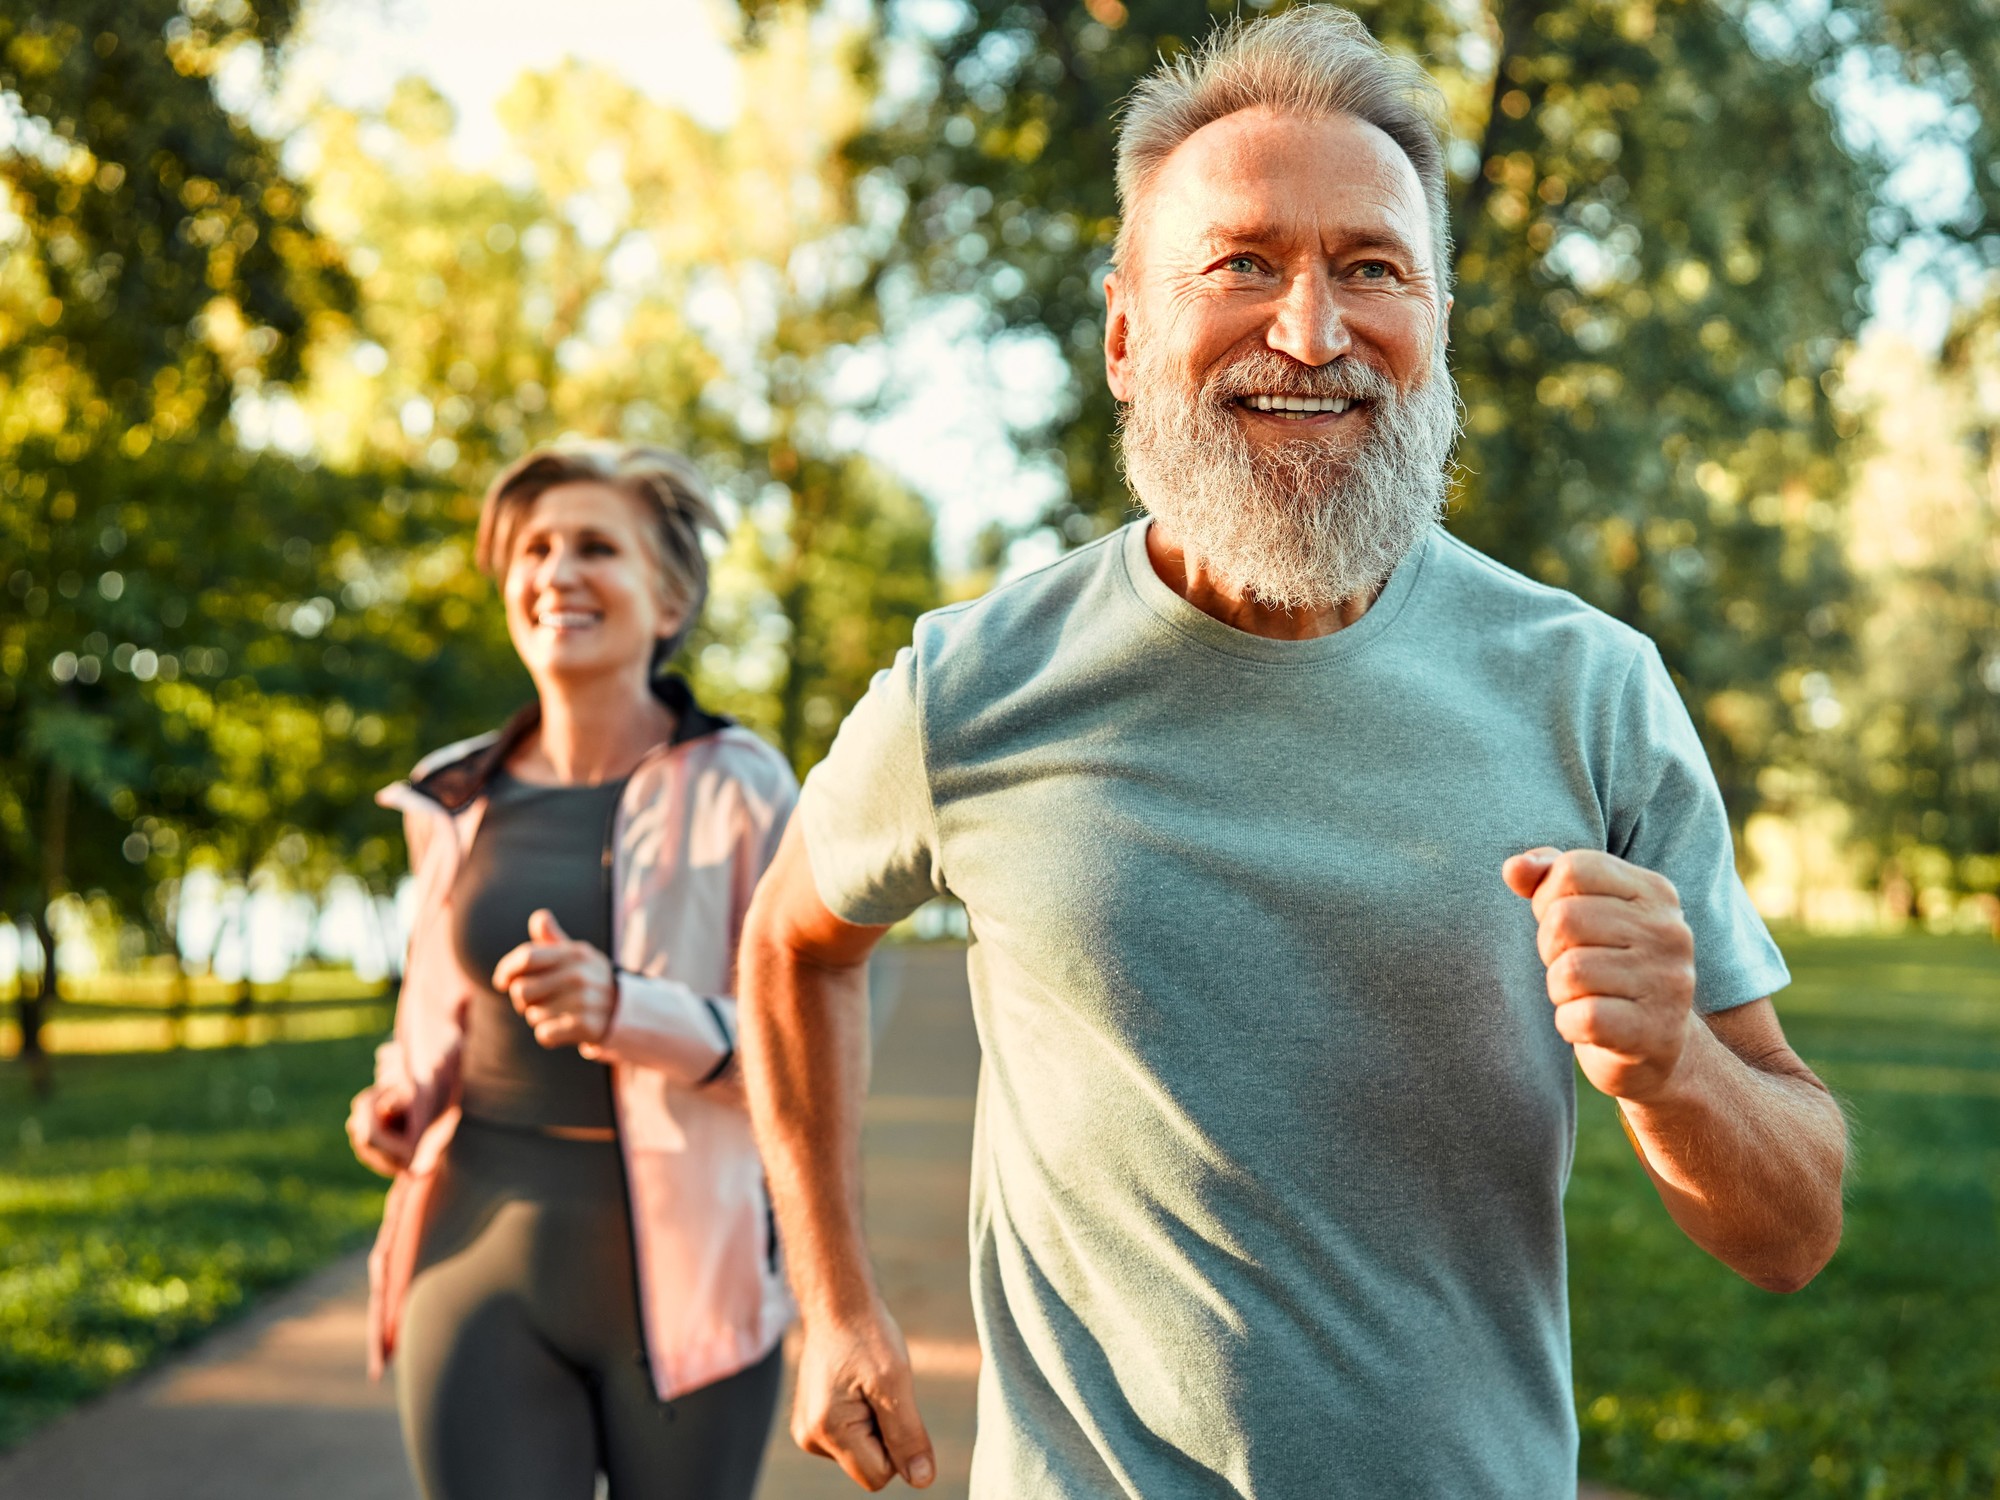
[{"x": 1308, "y": 854}]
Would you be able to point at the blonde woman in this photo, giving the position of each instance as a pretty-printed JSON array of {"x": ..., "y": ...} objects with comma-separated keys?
[{"x": 577, "y": 1271}]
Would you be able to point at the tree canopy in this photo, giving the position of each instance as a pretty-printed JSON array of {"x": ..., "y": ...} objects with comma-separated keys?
[
  {"x": 249, "y": 399},
  {"x": 251, "y": 387}
]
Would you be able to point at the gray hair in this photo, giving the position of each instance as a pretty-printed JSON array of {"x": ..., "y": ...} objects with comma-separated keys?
[
  {"x": 1311, "y": 61},
  {"x": 668, "y": 488}
]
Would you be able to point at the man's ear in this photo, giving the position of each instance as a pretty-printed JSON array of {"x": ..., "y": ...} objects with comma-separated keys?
[{"x": 1117, "y": 336}]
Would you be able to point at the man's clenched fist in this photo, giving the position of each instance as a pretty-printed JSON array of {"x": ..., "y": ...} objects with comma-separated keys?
[
  {"x": 1620, "y": 960},
  {"x": 855, "y": 1403}
]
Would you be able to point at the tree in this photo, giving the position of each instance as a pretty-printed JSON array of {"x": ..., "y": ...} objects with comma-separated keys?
[
  {"x": 643, "y": 279},
  {"x": 241, "y": 483},
  {"x": 1660, "y": 241},
  {"x": 809, "y": 607},
  {"x": 158, "y": 257}
]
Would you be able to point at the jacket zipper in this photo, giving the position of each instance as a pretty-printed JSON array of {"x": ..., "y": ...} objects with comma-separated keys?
[{"x": 617, "y": 1114}]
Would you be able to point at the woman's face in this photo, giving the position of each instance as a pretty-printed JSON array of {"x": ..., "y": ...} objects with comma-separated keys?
[{"x": 583, "y": 596}]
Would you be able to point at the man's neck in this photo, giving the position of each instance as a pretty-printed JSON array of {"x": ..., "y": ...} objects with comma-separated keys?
[{"x": 1239, "y": 610}]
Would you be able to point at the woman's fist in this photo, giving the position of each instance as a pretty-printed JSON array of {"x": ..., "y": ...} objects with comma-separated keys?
[
  {"x": 378, "y": 1128},
  {"x": 563, "y": 989}
]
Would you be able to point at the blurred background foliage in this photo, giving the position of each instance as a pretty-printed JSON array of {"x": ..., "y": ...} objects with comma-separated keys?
[{"x": 253, "y": 380}]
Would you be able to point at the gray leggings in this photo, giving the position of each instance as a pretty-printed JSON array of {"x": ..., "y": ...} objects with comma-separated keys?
[{"x": 519, "y": 1371}]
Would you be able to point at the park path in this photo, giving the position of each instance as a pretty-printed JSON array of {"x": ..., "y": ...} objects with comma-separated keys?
[{"x": 277, "y": 1406}]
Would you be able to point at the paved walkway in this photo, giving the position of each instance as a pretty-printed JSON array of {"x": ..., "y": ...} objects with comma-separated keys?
[{"x": 277, "y": 1407}]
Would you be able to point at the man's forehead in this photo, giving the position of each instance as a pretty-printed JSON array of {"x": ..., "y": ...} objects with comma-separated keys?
[{"x": 1258, "y": 175}]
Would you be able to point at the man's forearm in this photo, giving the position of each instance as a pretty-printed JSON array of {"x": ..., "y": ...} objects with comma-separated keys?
[
  {"x": 1747, "y": 1160},
  {"x": 805, "y": 1064}
]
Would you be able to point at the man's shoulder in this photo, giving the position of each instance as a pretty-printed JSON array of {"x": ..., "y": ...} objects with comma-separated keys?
[
  {"x": 1023, "y": 620},
  {"x": 1487, "y": 600}
]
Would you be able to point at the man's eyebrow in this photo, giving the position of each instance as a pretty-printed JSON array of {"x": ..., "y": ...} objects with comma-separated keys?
[
  {"x": 1386, "y": 239},
  {"x": 1219, "y": 237}
]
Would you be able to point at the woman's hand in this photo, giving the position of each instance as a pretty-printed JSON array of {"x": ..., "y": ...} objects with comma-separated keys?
[
  {"x": 378, "y": 1128},
  {"x": 564, "y": 989}
]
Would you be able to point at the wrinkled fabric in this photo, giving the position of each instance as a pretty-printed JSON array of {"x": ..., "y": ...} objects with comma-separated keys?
[{"x": 697, "y": 826}]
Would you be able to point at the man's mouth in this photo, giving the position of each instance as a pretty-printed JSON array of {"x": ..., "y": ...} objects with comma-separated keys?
[
  {"x": 567, "y": 619},
  {"x": 1298, "y": 408}
]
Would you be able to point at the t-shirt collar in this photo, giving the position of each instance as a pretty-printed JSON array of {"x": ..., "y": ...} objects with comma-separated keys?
[{"x": 1204, "y": 629}]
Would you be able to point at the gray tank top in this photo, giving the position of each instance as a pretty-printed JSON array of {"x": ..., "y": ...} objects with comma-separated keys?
[{"x": 536, "y": 846}]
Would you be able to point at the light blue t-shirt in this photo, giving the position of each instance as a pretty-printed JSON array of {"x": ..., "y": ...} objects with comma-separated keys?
[{"x": 1274, "y": 1122}]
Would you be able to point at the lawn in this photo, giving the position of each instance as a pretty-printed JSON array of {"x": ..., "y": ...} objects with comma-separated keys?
[
  {"x": 155, "y": 1195},
  {"x": 1881, "y": 1379}
]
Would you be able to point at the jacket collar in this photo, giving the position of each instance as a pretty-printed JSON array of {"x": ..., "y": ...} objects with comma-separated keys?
[{"x": 457, "y": 782}]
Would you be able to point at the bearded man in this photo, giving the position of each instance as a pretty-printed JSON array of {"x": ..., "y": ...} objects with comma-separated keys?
[{"x": 1307, "y": 853}]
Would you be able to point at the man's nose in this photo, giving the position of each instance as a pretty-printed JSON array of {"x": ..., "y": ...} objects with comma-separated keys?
[{"x": 1308, "y": 325}]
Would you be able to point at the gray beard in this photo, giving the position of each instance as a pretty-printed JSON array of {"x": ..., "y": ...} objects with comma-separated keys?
[{"x": 1300, "y": 525}]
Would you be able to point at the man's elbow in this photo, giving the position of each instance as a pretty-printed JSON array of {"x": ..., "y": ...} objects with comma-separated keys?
[
  {"x": 1794, "y": 1278},
  {"x": 1804, "y": 1255},
  {"x": 1810, "y": 1232}
]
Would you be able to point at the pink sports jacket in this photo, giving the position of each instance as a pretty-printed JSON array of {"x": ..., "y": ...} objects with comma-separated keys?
[{"x": 697, "y": 825}]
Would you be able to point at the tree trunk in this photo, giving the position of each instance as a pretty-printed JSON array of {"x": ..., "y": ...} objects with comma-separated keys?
[
  {"x": 31, "y": 1007},
  {"x": 32, "y": 1011},
  {"x": 1517, "y": 24},
  {"x": 794, "y": 596},
  {"x": 1899, "y": 894},
  {"x": 178, "y": 999},
  {"x": 245, "y": 1001},
  {"x": 178, "y": 1006}
]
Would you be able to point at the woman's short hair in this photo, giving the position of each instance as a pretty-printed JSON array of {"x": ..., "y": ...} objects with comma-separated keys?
[
  {"x": 1310, "y": 61},
  {"x": 666, "y": 486}
]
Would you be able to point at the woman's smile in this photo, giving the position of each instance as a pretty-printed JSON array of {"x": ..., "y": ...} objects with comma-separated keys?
[{"x": 566, "y": 620}]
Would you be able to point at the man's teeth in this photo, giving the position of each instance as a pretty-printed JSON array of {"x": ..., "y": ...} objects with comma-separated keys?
[
  {"x": 1335, "y": 404},
  {"x": 568, "y": 619}
]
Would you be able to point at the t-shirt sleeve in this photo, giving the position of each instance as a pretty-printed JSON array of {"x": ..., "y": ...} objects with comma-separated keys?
[
  {"x": 1666, "y": 815},
  {"x": 866, "y": 809}
]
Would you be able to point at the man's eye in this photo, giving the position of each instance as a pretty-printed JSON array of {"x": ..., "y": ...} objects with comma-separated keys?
[
  {"x": 1243, "y": 265},
  {"x": 599, "y": 549},
  {"x": 1375, "y": 270}
]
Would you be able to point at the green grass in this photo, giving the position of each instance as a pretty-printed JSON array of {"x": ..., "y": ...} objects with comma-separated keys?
[
  {"x": 1881, "y": 1379},
  {"x": 155, "y": 1195}
]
